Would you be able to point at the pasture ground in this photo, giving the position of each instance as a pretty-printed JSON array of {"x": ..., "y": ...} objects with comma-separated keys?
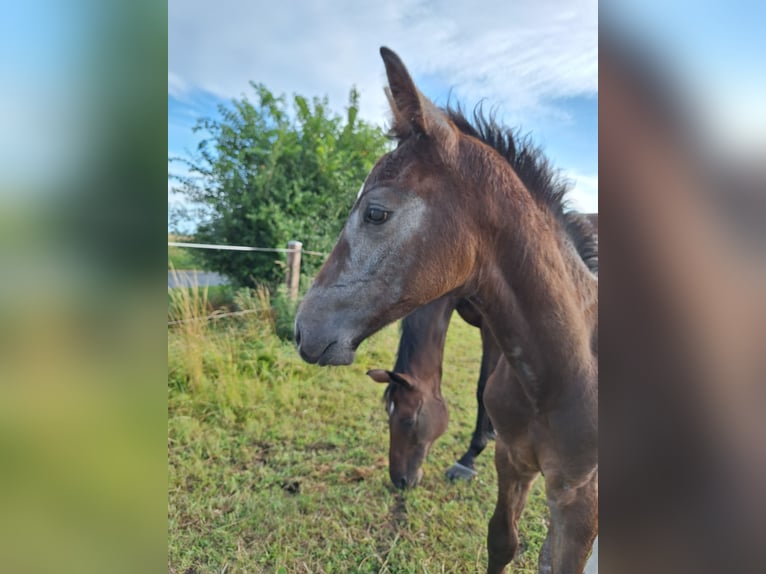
[{"x": 279, "y": 466}]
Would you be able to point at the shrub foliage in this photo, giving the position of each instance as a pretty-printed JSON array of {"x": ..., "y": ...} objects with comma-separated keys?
[{"x": 269, "y": 172}]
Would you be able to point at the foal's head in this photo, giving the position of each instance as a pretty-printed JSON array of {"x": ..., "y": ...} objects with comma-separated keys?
[
  {"x": 417, "y": 416},
  {"x": 407, "y": 240}
]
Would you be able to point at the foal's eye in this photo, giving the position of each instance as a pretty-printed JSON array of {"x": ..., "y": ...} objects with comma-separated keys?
[{"x": 376, "y": 215}]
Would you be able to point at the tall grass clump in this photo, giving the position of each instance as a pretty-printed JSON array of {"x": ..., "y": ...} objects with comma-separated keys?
[
  {"x": 284, "y": 310},
  {"x": 217, "y": 358},
  {"x": 187, "y": 312}
]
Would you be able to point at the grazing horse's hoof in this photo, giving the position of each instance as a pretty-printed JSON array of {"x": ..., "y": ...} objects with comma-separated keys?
[{"x": 461, "y": 472}]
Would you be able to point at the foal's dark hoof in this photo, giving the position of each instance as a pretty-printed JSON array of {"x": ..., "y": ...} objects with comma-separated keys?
[{"x": 461, "y": 472}]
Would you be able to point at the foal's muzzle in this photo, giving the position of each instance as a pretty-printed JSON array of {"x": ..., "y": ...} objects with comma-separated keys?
[{"x": 318, "y": 346}]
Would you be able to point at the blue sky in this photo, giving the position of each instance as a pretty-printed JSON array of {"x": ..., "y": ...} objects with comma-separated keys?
[{"x": 537, "y": 64}]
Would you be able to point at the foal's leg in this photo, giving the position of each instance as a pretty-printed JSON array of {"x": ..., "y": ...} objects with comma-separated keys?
[
  {"x": 574, "y": 524},
  {"x": 513, "y": 488},
  {"x": 464, "y": 467}
]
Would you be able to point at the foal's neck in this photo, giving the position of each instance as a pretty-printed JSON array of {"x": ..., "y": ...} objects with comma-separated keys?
[{"x": 536, "y": 294}]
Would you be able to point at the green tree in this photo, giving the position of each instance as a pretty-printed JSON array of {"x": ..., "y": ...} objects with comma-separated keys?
[{"x": 264, "y": 175}]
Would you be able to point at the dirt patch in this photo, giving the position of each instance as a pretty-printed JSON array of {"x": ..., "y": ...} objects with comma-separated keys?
[
  {"x": 291, "y": 486},
  {"x": 393, "y": 529},
  {"x": 262, "y": 452},
  {"x": 321, "y": 445},
  {"x": 358, "y": 474},
  {"x": 398, "y": 513}
]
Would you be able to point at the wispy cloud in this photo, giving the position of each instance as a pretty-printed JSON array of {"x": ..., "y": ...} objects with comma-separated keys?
[
  {"x": 524, "y": 55},
  {"x": 584, "y": 194},
  {"x": 177, "y": 87}
]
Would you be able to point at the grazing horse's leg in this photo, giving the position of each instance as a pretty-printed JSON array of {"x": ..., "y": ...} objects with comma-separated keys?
[
  {"x": 574, "y": 524},
  {"x": 464, "y": 467},
  {"x": 513, "y": 485},
  {"x": 544, "y": 565}
]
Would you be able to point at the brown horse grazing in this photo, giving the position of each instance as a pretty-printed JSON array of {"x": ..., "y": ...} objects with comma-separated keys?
[
  {"x": 417, "y": 412},
  {"x": 446, "y": 213}
]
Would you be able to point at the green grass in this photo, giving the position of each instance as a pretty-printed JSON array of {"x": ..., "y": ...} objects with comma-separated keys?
[
  {"x": 183, "y": 257},
  {"x": 279, "y": 466}
]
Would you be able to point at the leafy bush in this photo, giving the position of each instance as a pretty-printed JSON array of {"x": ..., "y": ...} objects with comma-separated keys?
[{"x": 267, "y": 174}]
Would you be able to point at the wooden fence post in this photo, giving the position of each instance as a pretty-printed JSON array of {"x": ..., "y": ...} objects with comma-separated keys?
[{"x": 293, "y": 268}]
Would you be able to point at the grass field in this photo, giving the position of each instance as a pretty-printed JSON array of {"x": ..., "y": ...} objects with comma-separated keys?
[
  {"x": 279, "y": 466},
  {"x": 183, "y": 257}
]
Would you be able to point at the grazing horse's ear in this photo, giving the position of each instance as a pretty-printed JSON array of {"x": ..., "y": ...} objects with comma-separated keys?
[
  {"x": 413, "y": 112},
  {"x": 383, "y": 376},
  {"x": 379, "y": 375}
]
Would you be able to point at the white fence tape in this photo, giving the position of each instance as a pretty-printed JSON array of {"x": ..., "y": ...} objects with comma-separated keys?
[{"x": 241, "y": 248}]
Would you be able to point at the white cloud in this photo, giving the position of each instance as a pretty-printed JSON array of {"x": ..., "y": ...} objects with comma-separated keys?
[
  {"x": 584, "y": 194},
  {"x": 519, "y": 55},
  {"x": 177, "y": 87}
]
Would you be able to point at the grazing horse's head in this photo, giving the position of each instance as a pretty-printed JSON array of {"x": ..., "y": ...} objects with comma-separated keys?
[
  {"x": 416, "y": 418},
  {"x": 404, "y": 243}
]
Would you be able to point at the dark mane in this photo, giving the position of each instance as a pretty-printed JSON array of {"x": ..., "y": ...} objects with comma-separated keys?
[{"x": 544, "y": 183}]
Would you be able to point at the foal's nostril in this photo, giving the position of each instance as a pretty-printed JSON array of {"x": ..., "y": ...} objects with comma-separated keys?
[
  {"x": 297, "y": 336},
  {"x": 401, "y": 483}
]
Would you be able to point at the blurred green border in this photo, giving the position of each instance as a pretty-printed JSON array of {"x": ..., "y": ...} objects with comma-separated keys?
[{"x": 83, "y": 359}]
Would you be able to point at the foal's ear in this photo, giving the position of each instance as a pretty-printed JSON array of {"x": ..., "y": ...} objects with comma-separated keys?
[
  {"x": 383, "y": 376},
  {"x": 413, "y": 112}
]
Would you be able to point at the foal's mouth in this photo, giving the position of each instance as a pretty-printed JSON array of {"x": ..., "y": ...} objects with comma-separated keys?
[
  {"x": 325, "y": 356},
  {"x": 313, "y": 359},
  {"x": 335, "y": 353}
]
